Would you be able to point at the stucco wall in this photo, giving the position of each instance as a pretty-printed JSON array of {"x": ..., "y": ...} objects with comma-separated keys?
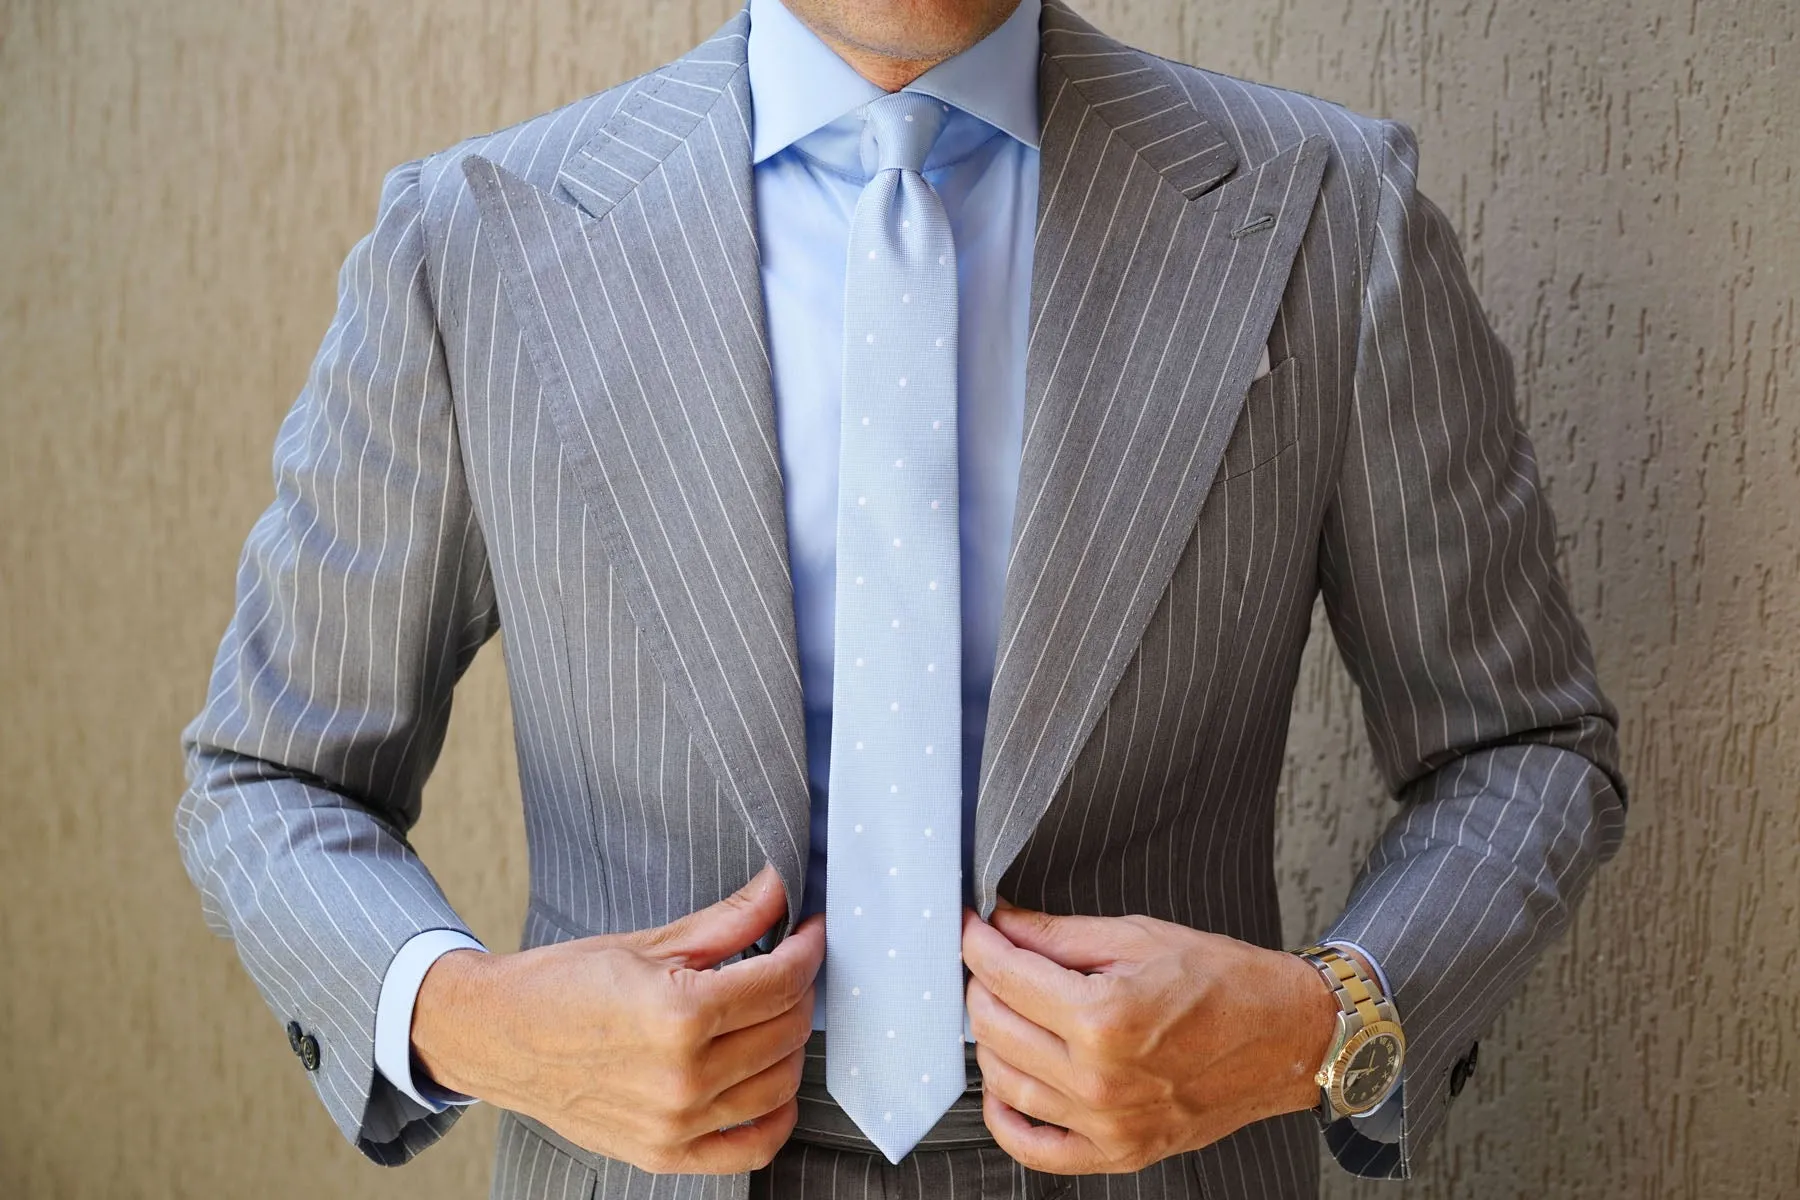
[{"x": 178, "y": 181}]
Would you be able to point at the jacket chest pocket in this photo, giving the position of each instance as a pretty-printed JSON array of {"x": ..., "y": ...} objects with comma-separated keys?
[{"x": 1266, "y": 425}]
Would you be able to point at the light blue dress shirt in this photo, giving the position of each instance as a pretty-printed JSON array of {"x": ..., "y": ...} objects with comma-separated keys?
[
  {"x": 808, "y": 177},
  {"x": 807, "y": 130}
]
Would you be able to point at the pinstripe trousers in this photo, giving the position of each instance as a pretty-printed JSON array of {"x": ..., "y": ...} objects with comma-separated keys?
[{"x": 531, "y": 1161}]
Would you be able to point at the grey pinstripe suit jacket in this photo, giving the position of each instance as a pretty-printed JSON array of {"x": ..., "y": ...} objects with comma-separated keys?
[{"x": 544, "y": 405}]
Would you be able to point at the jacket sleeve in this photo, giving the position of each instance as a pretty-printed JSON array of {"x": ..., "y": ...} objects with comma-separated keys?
[
  {"x": 363, "y": 592},
  {"x": 1476, "y": 678}
]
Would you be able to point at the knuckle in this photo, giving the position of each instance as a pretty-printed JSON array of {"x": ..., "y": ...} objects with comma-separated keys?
[
  {"x": 1106, "y": 1091},
  {"x": 1088, "y": 1032},
  {"x": 773, "y": 1131},
  {"x": 683, "y": 1018},
  {"x": 1096, "y": 1090},
  {"x": 659, "y": 1158},
  {"x": 1109, "y": 1130},
  {"x": 688, "y": 1093}
]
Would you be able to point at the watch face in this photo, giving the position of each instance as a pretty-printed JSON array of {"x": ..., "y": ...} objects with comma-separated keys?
[{"x": 1370, "y": 1070}]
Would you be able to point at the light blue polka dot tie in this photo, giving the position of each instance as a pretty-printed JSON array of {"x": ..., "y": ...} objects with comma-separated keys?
[{"x": 893, "y": 889}]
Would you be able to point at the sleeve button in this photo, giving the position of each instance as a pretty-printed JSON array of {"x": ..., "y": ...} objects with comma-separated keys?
[
  {"x": 1459, "y": 1075},
  {"x": 309, "y": 1052},
  {"x": 294, "y": 1032}
]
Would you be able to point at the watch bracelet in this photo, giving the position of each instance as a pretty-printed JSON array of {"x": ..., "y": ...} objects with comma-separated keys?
[{"x": 1360, "y": 997}]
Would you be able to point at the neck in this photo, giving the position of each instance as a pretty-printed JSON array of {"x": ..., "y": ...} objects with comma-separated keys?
[
  {"x": 892, "y": 49},
  {"x": 884, "y": 71}
]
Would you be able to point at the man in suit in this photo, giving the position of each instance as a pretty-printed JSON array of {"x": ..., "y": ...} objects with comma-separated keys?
[{"x": 903, "y": 443}]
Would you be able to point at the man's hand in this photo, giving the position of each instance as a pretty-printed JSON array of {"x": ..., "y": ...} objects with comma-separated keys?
[
  {"x": 630, "y": 1044},
  {"x": 1134, "y": 1038}
]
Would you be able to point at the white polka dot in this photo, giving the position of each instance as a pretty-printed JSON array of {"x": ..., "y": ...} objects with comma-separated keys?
[
  {"x": 893, "y": 870},
  {"x": 906, "y": 297},
  {"x": 861, "y": 500},
  {"x": 896, "y": 541},
  {"x": 855, "y": 1070},
  {"x": 893, "y": 953},
  {"x": 857, "y": 911},
  {"x": 887, "y": 1116},
  {"x": 928, "y": 831},
  {"x": 859, "y": 662},
  {"x": 930, "y": 666},
  {"x": 894, "y": 707},
  {"x": 909, "y": 116},
  {"x": 859, "y": 830},
  {"x": 905, "y": 224},
  {"x": 926, "y": 996},
  {"x": 891, "y": 1033},
  {"x": 865, "y": 420},
  {"x": 872, "y": 255},
  {"x": 899, "y": 462},
  {"x": 939, "y": 343},
  {"x": 893, "y": 787},
  {"x": 870, "y": 338},
  {"x": 941, "y": 258},
  {"x": 932, "y": 585},
  {"x": 925, "y": 913},
  {"x": 859, "y": 745},
  {"x": 936, "y": 424},
  {"x": 925, "y": 1078},
  {"x": 859, "y": 580},
  {"x": 856, "y": 991},
  {"x": 928, "y": 749},
  {"x": 903, "y": 381},
  {"x": 934, "y": 506},
  {"x": 895, "y": 622}
]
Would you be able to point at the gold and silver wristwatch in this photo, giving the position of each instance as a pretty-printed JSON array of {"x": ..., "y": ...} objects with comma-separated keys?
[{"x": 1363, "y": 1063}]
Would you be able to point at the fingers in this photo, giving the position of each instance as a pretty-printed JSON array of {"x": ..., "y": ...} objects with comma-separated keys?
[
  {"x": 753, "y": 990},
  {"x": 714, "y": 933},
  {"x": 729, "y": 1150},
  {"x": 1021, "y": 1042},
  {"x": 1023, "y": 1091},
  {"x": 742, "y": 1053},
  {"x": 1031, "y": 985},
  {"x": 760, "y": 1094},
  {"x": 1047, "y": 1148},
  {"x": 1081, "y": 943}
]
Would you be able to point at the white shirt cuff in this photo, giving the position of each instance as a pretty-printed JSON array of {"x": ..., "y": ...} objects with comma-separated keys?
[
  {"x": 394, "y": 1011},
  {"x": 1381, "y": 1123}
]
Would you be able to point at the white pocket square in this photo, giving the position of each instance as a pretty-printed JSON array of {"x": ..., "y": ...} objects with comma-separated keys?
[{"x": 1262, "y": 366}]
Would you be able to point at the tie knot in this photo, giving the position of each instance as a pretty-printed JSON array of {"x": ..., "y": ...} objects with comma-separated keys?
[{"x": 900, "y": 128}]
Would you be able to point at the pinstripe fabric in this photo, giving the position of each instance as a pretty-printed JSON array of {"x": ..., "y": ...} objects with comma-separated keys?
[{"x": 544, "y": 405}]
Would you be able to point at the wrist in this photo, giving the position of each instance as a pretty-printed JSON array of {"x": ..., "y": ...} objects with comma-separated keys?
[
  {"x": 1312, "y": 1012},
  {"x": 451, "y": 1019}
]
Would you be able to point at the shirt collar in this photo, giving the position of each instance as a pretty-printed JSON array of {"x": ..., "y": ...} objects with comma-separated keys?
[{"x": 798, "y": 84}]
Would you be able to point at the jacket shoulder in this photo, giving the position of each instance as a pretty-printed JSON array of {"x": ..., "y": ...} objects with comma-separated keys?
[
  {"x": 1261, "y": 120},
  {"x": 534, "y": 149}
]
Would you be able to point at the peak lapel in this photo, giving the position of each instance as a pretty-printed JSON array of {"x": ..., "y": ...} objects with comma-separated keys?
[
  {"x": 641, "y": 309},
  {"x": 1154, "y": 287}
]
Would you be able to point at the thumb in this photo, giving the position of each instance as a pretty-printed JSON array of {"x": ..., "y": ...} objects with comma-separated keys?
[{"x": 705, "y": 937}]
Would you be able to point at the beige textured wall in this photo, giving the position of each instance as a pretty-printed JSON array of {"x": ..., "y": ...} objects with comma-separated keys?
[{"x": 179, "y": 179}]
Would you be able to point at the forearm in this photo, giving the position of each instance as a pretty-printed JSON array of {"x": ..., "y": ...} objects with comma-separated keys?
[
  {"x": 394, "y": 1015},
  {"x": 317, "y": 896},
  {"x": 1458, "y": 900}
]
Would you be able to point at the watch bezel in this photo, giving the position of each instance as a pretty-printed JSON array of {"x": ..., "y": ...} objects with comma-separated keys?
[{"x": 1347, "y": 1052}]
